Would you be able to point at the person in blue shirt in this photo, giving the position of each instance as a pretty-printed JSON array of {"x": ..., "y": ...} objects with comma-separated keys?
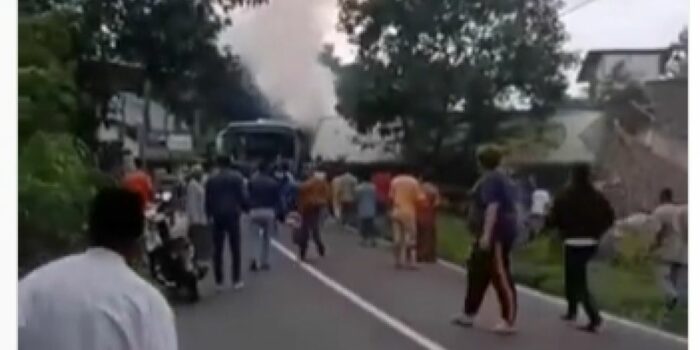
[
  {"x": 225, "y": 201},
  {"x": 366, "y": 196},
  {"x": 495, "y": 197},
  {"x": 265, "y": 203}
]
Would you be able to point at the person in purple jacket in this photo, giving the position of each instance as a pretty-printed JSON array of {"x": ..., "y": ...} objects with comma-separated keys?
[{"x": 495, "y": 198}]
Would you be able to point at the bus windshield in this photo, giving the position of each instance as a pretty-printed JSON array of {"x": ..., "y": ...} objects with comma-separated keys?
[{"x": 259, "y": 144}]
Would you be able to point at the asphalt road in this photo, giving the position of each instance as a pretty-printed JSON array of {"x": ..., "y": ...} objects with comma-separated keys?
[{"x": 354, "y": 299}]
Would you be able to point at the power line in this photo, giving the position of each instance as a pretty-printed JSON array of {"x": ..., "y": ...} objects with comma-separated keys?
[{"x": 576, "y": 7}]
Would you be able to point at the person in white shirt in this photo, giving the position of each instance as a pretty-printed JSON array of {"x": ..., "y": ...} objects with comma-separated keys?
[
  {"x": 94, "y": 300},
  {"x": 346, "y": 197},
  {"x": 668, "y": 226},
  {"x": 539, "y": 208},
  {"x": 197, "y": 217}
]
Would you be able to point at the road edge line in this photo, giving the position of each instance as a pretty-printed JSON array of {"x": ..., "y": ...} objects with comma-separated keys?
[
  {"x": 363, "y": 304},
  {"x": 559, "y": 301}
]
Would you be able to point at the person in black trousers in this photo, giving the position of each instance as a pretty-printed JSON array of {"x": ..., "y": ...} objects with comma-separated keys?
[
  {"x": 494, "y": 220},
  {"x": 225, "y": 200},
  {"x": 582, "y": 215}
]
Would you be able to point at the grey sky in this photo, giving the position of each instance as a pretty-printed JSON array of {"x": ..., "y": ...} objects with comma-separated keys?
[{"x": 280, "y": 43}]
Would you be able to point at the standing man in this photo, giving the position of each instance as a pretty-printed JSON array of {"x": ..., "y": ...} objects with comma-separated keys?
[
  {"x": 367, "y": 211},
  {"x": 94, "y": 300},
  {"x": 313, "y": 196},
  {"x": 225, "y": 200},
  {"x": 582, "y": 215},
  {"x": 405, "y": 193},
  {"x": 197, "y": 217},
  {"x": 346, "y": 197},
  {"x": 495, "y": 196},
  {"x": 265, "y": 202}
]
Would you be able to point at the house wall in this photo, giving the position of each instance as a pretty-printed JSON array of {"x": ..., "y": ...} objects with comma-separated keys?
[
  {"x": 640, "y": 67},
  {"x": 670, "y": 101},
  {"x": 635, "y": 175}
]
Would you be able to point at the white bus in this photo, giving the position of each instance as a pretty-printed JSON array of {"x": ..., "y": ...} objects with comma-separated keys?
[{"x": 251, "y": 141}]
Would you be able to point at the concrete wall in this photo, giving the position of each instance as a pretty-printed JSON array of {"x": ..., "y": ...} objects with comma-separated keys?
[
  {"x": 640, "y": 67},
  {"x": 635, "y": 175},
  {"x": 670, "y": 101}
]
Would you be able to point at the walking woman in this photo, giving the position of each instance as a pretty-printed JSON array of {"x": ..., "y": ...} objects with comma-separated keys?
[
  {"x": 581, "y": 214},
  {"x": 494, "y": 197}
]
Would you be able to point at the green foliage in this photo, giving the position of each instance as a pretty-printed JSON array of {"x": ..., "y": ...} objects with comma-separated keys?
[
  {"x": 46, "y": 86},
  {"x": 176, "y": 43},
  {"x": 56, "y": 182},
  {"x": 453, "y": 242},
  {"x": 56, "y": 176},
  {"x": 428, "y": 70}
]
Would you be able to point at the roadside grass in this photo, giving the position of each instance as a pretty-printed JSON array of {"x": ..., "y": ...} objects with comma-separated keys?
[{"x": 623, "y": 285}]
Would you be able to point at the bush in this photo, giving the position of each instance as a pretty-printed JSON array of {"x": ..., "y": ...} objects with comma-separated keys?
[{"x": 56, "y": 183}]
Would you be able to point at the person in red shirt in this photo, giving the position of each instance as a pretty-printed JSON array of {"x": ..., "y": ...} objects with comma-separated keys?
[
  {"x": 382, "y": 182},
  {"x": 140, "y": 182}
]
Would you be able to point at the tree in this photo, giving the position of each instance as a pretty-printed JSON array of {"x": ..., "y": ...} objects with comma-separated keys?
[
  {"x": 46, "y": 89},
  {"x": 56, "y": 174},
  {"x": 173, "y": 39},
  {"x": 427, "y": 70}
]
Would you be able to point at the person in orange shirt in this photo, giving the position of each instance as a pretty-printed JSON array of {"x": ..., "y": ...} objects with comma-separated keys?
[
  {"x": 405, "y": 193},
  {"x": 138, "y": 181},
  {"x": 313, "y": 196}
]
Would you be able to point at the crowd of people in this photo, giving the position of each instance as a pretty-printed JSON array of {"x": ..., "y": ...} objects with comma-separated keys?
[{"x": 403, "y": 203}]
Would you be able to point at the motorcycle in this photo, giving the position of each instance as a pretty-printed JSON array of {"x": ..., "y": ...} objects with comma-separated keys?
[{"x": 171, "y": 258}]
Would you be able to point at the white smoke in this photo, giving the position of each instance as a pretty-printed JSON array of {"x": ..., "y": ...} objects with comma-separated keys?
[{"x": 280, "y": 43}]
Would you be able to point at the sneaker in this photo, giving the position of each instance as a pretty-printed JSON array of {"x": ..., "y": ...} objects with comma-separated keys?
[
  {"x": 265, "y": 267},
  {"x": 238, "y": 285},
  {"x": 464, "y": 320},
  {"x": 504, "y": 328}
]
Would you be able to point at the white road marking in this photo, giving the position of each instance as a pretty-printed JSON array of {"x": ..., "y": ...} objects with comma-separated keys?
[
  {"x": 559, "y": 301},
  {"x": 362, "y": 303}
]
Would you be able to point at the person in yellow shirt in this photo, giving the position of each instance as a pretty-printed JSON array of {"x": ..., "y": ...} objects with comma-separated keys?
[{"x": 405, "y": 194}]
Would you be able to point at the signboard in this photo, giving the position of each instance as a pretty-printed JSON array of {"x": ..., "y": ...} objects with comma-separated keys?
[{"x": 181, "y": 142}]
